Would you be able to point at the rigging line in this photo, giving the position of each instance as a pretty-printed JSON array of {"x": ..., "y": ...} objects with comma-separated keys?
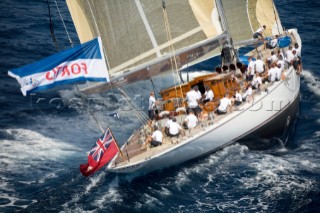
[
  {"x": 173, "y": 50},
  {"x": 175, "y": 62},
  {"x": 103, "y": 48},
  {"x": 136, "y": 109},
  {"x": 141, "y": 116},
  {"x": 104, "y": 51},
  {"x": 64, "y": 25},
  {"x": 225, "y": 26},
  {"x": 97, "y": 28},
  {"x": 170, "y": 39},
  {"x": 76, "y": 86},
  {"x": 171, "y": 47},
  {"x": 51, "y": 28},
  {"x": 275, "y": 17},
  {"x": 139, "y": 111},
  {"x": 155, "y": 89},
  {"x": 122, "y": 131},
  {"x": 169, "y": 44},
  {"x": 84, "y": 99}
]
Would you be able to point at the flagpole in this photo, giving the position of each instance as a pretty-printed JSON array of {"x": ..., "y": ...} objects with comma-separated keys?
[{"x": 117, "y": 144}]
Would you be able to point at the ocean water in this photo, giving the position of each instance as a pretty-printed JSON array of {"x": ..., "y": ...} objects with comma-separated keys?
[{"x": 44, "y": 138}]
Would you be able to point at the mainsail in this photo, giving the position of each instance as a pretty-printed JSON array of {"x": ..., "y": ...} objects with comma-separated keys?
[
  {"x": 139, "y": 43},
  {"x": 135, "y": 35}
]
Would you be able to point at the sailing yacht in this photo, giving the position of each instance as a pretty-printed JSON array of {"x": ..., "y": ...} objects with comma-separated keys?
[{"x": 146, "y": 38}]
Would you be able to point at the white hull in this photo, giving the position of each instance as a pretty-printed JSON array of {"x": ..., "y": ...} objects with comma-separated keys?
[{"x": 251, "y": 116}]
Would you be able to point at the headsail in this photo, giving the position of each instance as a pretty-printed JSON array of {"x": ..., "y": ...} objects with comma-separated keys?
[
  {"x": 245, "y": 17},
  {"x": 134, "y": 32}
]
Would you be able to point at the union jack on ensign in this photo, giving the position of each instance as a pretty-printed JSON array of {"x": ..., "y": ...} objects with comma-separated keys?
[
  {"x": 101, "y": 146},
  {"x": 100, "y": 154}
]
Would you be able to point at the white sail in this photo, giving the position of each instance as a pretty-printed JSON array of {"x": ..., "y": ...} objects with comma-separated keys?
[
  {"x": 245, "y": 17},
  {"x": 133, "y": 31},
  {"x": 135, "y": 35}
]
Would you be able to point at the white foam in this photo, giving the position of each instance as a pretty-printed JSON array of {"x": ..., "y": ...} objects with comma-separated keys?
[
  {"x": 313, "y": 82},
  {"x": 27, "y": 156},
  {"x": 279, "y": 175},
  {"x": 13, "y": 199},
  {"x": 218, "y": 159},
  {"x": 30, "y": 146},
  {"x": 94, "y": 182},
  {"x": 151, "y": 201},
  {"x": 165, "y": 192},
  {"x": 111, "y": 196},
  {"x": 275, "y": 176},
  {"x": 182, "y": 178}
]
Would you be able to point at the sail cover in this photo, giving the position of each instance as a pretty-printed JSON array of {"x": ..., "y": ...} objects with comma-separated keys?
[
  {"x": 134, "y": 31},
  {"x": 244, "y": 17}
]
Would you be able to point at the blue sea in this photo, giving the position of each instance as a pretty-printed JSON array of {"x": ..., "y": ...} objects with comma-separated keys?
[{"x": 44, "y": 137}]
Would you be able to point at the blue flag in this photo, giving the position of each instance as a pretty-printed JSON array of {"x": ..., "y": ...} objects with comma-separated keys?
[{"x": 83, "y": 62}]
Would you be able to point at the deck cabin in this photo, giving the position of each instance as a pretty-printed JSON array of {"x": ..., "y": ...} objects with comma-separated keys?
[{"x": 174, "y": 97}]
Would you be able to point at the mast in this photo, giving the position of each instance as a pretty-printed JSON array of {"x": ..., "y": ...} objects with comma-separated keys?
[{"x": 228, "y": 50}]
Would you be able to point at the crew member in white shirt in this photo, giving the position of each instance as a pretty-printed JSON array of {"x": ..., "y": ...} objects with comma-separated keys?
[
  {"x": 166, "y": 130},
  {"x": 238, "y": 98},
  {"x": 297, "y": 49},
  {"x": 193, "y": 99},
  {"x": 152, "y": 106},
  {"x": 256, "y": 82},
  {"x": 278, "y": 72},
  {"x": 272, "y": 73},
  {"x": 281, "y": 62},
  {"x": 196, "y": 88},
  {"x": 174, "y": 128},
  {"x": 250, "y": 72},
  {"x": 248, "y": 94},
  {"x": 208, "y": 95},
  {"x": 259, "y": 65},
  {"x": 296, "y": 61},
  {"x": 224, "y": 104},
  {"x": 155, "y": 139},
  {"x": 273, "y": 43},
  {"x": 289, "y": 56},
  {"x": 259, "y": 32},
  {"x": 272, "y": 59},
  {"x": 190, "y": 121}
]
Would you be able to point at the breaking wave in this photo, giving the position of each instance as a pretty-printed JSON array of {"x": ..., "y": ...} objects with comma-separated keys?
[{"x": 312, "y": 81}]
